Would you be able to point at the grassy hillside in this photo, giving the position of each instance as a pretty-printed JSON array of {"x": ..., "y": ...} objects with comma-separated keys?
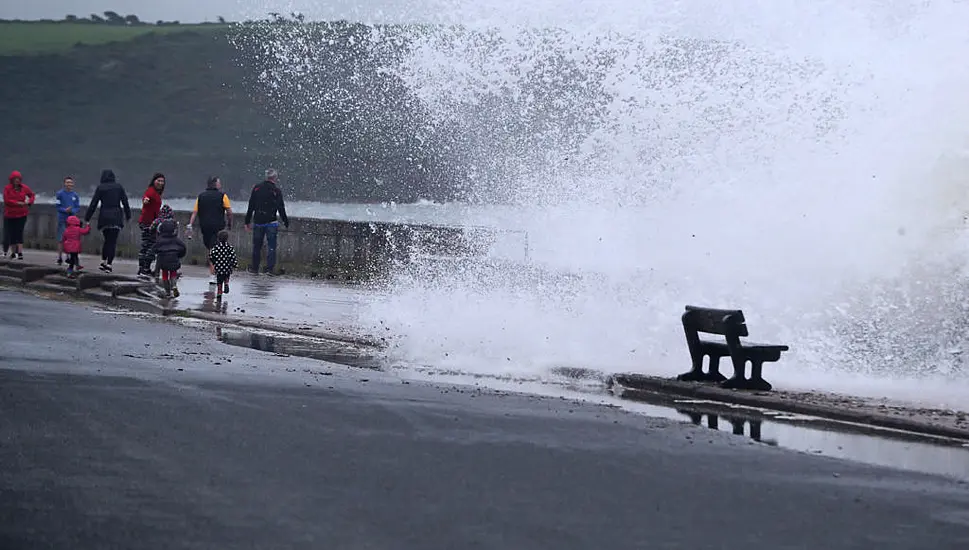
[
  {"x": 30, "y": 38},
  {"x": 187, "y": 101}
]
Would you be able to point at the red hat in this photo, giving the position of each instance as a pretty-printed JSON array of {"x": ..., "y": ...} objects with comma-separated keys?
[{"x": 16, "y": 175}]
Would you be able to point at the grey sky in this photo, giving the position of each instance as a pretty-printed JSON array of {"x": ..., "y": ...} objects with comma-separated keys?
[{"x": 233, "y": 10}]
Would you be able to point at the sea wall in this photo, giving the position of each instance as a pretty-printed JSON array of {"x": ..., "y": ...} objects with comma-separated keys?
[{"x": 333, "y": 249}]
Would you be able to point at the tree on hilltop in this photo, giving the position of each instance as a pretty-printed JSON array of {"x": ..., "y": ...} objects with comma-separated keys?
[
  {"x": 132, "y": 20},
  {"x": 113, "y": 18}
]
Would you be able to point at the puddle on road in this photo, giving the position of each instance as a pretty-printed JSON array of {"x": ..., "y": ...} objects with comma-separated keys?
[
  {"x": 856, "y": 442},
  {"x": 313, "y": 348}
]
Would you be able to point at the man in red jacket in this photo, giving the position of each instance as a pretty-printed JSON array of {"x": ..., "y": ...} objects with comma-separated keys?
[{"x": 17, "y": 199}]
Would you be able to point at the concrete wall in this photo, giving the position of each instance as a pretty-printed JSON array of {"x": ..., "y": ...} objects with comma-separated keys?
[{"x": 321, "y": 248}]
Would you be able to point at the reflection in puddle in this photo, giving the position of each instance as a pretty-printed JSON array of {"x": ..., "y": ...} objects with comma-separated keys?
[
  {"x": 856, "y": 442},
  {"x": 260, "y": 287},
  {"x": 737, "y": 425},
  {"x": 313, "y": 348},
  {"x": 211, "y": 303}
]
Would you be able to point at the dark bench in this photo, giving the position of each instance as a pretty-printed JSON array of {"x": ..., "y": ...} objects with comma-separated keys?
[{"x": 730, "y": 324}]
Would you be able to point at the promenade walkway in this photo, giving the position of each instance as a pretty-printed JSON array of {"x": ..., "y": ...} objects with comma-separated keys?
[{"x": 284, "y": 301}]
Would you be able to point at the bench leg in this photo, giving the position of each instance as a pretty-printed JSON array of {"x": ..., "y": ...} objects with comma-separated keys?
[
  {"x": 697, "y": 375},
  {"x": 738, "y": 380},
  {"x": 755, "y": 382},
  {"x": 737, "y": 425},
  {"x": 714, "y": 373}
]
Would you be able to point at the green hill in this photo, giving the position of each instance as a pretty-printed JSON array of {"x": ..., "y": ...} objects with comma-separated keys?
[{"x": 188, "y": 101}]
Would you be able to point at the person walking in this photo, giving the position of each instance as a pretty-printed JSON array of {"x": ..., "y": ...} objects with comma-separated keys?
[
  {"x": 71, "y": 241},
  {"x": 214, "y": 212},
  {"x": 170, "y": 250},
  {"x": 17, "y": 199},
  {"x": 115, "y": 211},
  {"x": 151, "y": 203},
  {"x": 265, "y": 201},
  {"x": 68, "y": 204},
  {"x": 223, "y": 257}
]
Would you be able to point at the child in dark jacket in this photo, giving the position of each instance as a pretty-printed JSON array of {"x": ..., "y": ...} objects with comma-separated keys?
[
  {"x": 223, "y": 259},
  {"x": 165, "y": 213},
  {"x": 169, "y": 250},
  {"x": 71, "y": 239}
]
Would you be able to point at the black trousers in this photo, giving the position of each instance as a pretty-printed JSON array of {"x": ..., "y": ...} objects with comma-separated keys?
[
  {"x": 110, "y": 243},
  {"x": 13, "y": 231}
]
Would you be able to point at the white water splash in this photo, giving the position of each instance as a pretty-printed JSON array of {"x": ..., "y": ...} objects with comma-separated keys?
[{"x": 801, "y": 160}]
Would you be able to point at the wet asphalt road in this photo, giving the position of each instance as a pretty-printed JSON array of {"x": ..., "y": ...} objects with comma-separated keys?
[{"x": 105, "y": 443}]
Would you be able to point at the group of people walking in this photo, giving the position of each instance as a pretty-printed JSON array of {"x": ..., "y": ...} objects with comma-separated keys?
[{"x": 161, "y": 249}]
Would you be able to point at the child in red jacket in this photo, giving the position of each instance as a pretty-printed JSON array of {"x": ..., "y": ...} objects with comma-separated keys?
[{"x": 72, "y": 244}]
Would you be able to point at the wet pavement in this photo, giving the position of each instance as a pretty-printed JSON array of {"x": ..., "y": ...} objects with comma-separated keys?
[
  {"x": 282, "y": 300},
  {"x": 123, "y": 432},
  {"x": 286, "y": 301},
  {"x": 809, "y": 434}
]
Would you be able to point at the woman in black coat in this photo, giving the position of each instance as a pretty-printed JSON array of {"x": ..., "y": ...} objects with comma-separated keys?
[{"x": 114, "y": 213}]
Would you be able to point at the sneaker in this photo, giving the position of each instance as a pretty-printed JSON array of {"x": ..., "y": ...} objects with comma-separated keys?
[
  {"x": 78, "y": 268},
  {"x": 175, "y": 292},
  {"x": 60, "y": 261},
  {"x": 225, "y": 288},
  {"x": 20, "y": 256},
  {"x": 104, "y": 267},
  {"x": 107, "y": 267}
]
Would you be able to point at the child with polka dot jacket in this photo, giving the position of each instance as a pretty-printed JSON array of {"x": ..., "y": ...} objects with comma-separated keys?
[{"x": 223, "y": 258}]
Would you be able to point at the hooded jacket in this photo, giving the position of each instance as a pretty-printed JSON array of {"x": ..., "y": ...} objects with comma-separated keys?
[
  {"x": 113, "y": 200},
  {"x": 166, "y": 213},
  {"x": 13, "y": 195},
  {"x": 169, "y": 249},
  {"x": 72, "y": 235}
]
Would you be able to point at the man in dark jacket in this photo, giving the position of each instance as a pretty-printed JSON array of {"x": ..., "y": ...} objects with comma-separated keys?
[
  {"x": 214, "y": 213},
  {"x": 169, "y": 250},
  {"x": 264, "y": 202},
  {"x": 114, "y": 213}
]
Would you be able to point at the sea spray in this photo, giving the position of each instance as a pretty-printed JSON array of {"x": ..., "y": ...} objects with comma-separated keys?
[{"x": 801, "y": 160}]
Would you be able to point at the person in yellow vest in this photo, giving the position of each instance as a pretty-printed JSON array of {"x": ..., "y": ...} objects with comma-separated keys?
[{"x": 214, "y": 213}]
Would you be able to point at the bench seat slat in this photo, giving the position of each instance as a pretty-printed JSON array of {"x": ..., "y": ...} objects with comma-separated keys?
[{"x": 746, "y": 345}]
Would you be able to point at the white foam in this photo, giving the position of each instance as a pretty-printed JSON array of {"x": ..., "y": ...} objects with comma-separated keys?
[{"x": 802, "y": 160}]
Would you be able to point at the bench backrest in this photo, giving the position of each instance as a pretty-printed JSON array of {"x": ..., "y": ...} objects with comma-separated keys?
[{"x": 726, "y": 322}]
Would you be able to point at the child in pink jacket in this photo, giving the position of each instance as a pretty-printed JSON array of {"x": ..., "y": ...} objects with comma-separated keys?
[{"x": 72, "y": 244}]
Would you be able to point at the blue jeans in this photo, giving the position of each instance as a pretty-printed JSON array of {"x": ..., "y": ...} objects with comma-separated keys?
[
  {"x": 61, "y": 227},
  {"x": 269, "y": 232}
]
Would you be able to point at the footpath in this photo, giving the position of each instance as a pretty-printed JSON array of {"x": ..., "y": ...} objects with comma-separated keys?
[
  {"x": 306, "y": 307},
  {"x": 328, "y": 311}
]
